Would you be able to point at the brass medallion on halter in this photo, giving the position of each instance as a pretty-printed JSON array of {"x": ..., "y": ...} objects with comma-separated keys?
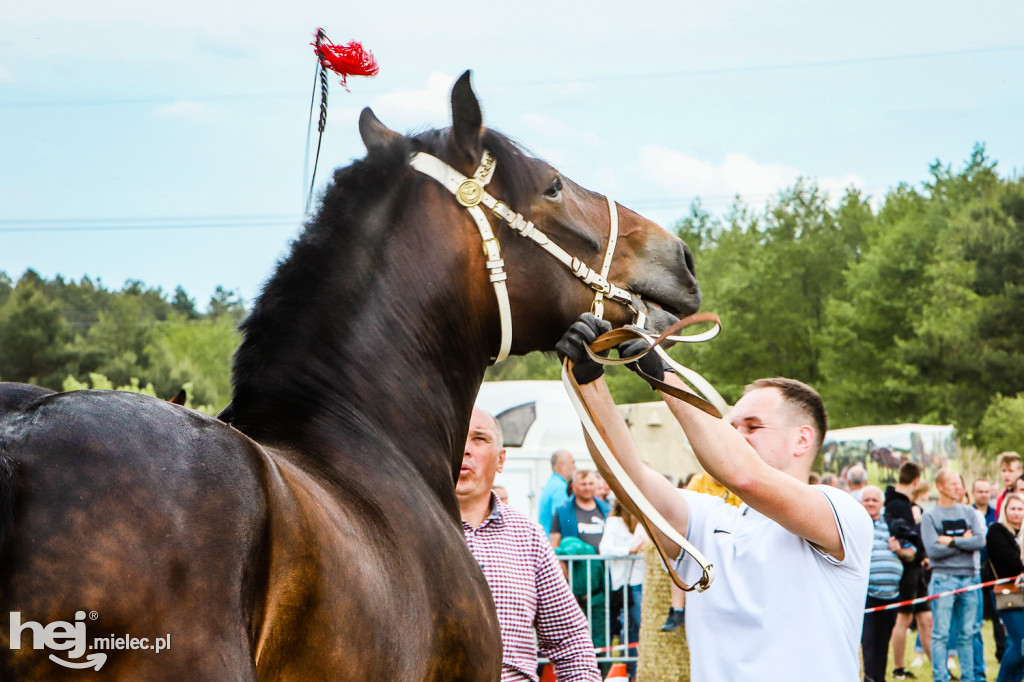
[{"x": 469, "y": 193}]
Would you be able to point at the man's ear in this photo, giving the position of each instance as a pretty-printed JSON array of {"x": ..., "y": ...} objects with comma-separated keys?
[
  {"x": 501, "y": 460},
  {"x": 805, "y": 441}
]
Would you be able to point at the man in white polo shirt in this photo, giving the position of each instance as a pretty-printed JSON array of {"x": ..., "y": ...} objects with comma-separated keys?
[{"x": 791, "y": 563}]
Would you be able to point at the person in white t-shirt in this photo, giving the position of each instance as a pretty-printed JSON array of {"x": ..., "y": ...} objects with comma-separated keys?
[{"x": 791, "y": 563}]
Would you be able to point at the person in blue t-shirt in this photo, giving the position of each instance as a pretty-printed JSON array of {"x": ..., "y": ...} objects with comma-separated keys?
[{"x": 556, "y": 490}]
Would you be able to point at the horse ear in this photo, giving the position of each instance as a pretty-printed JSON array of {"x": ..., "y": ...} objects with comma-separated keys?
[
  {"x": 467, "y": 121},
  {"x": 374, "y": 133}
]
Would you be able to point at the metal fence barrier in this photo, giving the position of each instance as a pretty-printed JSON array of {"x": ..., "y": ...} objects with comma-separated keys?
[{"x": 590, "y": 580}]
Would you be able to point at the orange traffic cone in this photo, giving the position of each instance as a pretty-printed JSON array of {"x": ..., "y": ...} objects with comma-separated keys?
[
  {"x": 547, "y": 673},
  {"x": 618, "y": 673}
]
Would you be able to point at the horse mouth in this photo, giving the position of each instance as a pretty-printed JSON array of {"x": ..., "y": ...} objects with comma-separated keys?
[{"x": 661, "y": 316}]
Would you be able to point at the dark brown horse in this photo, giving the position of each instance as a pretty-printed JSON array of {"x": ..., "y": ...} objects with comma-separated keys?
[{"x": 319, "y": 538}]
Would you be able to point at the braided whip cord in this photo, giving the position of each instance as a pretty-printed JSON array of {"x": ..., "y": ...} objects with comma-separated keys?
[{"x": 351, "y": 59}]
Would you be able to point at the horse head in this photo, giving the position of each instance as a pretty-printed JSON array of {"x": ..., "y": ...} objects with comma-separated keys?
[{"x": 648, "y": 262}]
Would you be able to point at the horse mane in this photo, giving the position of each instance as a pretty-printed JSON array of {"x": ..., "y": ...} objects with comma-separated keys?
[{"x": 339, "y": 251}]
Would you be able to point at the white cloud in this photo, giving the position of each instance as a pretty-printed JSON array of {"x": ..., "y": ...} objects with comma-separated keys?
[
  {"x": 682, "y": 175},
  {"x": 553, "y": 128},
  {"x": 187, "y": 110},
  {"x": 5, "y": 75},
  {"x": 429, "y": 103}
]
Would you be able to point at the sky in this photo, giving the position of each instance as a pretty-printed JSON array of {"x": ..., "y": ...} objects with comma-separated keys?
[{"x": 166, "y": 142}]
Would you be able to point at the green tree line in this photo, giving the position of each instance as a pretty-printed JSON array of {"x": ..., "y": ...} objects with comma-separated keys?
[
  {"x": 903, "y": 308},
  {"x": 65, "y": 334}
]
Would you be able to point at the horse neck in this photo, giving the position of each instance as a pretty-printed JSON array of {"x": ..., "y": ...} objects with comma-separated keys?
[{"x": 393, "y": 362}]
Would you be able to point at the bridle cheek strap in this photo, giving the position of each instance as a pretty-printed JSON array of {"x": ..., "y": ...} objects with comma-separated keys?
[
  {"x": 597, "y": 307},
  {"x": 470, "y": 193}
]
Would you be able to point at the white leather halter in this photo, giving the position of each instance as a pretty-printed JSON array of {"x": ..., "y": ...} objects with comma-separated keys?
[{"x": 470, "y": 193}]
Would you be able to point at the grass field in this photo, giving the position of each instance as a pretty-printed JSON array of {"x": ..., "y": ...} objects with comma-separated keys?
[{"x": 924, "y": 673}]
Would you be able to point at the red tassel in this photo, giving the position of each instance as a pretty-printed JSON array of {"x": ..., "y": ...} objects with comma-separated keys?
[{"x": 345, "y": 60}]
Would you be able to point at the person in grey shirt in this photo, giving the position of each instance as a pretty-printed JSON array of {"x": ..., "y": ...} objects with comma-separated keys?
[{"x": 953, "y": 534}]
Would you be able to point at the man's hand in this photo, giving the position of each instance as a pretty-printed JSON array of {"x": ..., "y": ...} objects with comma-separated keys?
[
  {"x": 573, "y": 345},
  {"x": 651, "y": 364}
]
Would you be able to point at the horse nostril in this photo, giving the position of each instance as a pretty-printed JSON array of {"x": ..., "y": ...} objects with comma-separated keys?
[{"x": 688, "y": 257}]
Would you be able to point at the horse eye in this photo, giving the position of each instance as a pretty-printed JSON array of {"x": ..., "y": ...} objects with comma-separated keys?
[{"x": 554, "y": 189}]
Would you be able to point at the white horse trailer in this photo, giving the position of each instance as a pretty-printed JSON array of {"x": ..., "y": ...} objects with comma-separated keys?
[{"x": 537, "y": 419}]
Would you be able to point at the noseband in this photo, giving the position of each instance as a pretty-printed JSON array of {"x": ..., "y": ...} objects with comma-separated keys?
[{"x": 470, "y": 193}]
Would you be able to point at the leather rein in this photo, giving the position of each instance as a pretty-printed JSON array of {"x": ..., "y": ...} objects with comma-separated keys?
[{"x": 470, "y": 192}]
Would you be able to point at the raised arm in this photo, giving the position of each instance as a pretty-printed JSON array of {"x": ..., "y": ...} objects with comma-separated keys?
[
  {"x": 659, "y": 491},
  {"x": 800, "y": 508}
]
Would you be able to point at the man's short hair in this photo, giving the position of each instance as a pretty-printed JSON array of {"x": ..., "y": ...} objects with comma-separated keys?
[
  {"x": 557, "y": 456},
  {"x": 580, "y": 473},
  {"x": 499, "y": 435},
  {"x": 804, "y": 398},
  {"x": 857, "y": 476},
  {"x": 909, "y": 472},
  {"x": 943, "y": 475},
  {"x": 1008, "y": 459}
]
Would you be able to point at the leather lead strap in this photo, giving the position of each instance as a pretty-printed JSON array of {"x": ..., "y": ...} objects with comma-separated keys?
[{"x": 629, "y": 494}]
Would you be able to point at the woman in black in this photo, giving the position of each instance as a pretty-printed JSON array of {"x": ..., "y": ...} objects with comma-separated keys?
[{"x": 1004, "y": 551}]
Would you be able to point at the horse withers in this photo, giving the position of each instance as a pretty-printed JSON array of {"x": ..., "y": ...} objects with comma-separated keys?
[{"x": 318, "y": 536}]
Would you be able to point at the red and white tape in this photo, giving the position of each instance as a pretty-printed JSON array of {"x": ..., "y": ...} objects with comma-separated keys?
[{"x": 930, "y": 597}]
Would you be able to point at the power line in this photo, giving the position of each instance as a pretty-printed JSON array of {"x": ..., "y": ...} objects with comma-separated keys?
[
  {"x": 648, "y": 75},
  {"x": 149, "y": 223},
  {"x": 781, "y": 66}
]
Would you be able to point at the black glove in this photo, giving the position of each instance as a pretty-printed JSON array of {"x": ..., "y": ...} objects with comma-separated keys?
[
  {"x": 651, "y": 364},
  {"x": 573, "y": 344}
]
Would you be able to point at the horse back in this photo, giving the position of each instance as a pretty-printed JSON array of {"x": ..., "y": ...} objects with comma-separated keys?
[{"x": 145, "y": 515}]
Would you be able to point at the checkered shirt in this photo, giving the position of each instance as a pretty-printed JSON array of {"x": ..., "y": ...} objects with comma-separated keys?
[{"x": 531, "y": 595}]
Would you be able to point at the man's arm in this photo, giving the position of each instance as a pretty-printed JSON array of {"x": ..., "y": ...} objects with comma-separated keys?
[
  {"x": 555, "y": 536},
  {"x": 722, "y": 451},
  {"x": 905, "y": 554},
  {"x": 975, "y": 537},
  {"x": 936, "y": 546},
  {"x": 659, "y": 491},
  {"x": 562, "y": 634}
]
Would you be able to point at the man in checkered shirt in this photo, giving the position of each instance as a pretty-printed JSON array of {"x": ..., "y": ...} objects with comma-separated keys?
[{"x": 535, "y": 606}]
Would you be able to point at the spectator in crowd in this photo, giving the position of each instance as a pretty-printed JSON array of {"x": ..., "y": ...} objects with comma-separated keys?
[
  {"x": 982, "y": 490},
  {"x": 888, "y": 555},
  {"x": 900, "y": 519},
  {"x": 814, "y": 478},
  {"x": 1004, "y": 551},
  {"x": 831, "y": 479},
  {"x": 624, "y": 536},
  {"x": 535, "y": 607},
  {"x": 953, "y": 534},
  {"x": 787, "y": 539},
  {"x": 1018, "y": 485},
  {"x": 583, "y": 514},
  {"x": 857, "y": 478},
  {"x": 602, "y": 490},
  {"x": 702, "y": 482},
  {"x": 501, "y": 492},
  {"x": 556, "y": 490},
  {"x": 977, "y": 644},
  {"x": 1010, "y": 469}
]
